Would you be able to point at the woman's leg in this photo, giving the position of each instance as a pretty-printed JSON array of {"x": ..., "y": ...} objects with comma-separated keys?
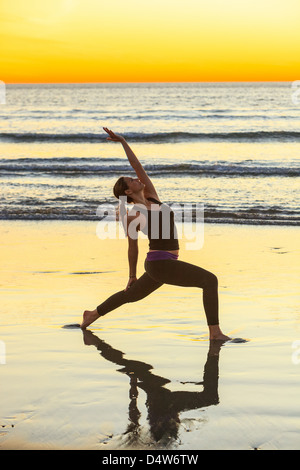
[
  {"x": 184, "y": 274},
  {"x": 144, "y": 286}
]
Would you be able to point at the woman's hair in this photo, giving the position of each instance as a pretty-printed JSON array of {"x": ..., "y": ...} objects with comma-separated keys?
[{"x": 120, "y": 188}]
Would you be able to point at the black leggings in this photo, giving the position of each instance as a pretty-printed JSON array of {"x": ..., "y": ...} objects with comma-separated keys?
[{"x": 173, "y": 272}]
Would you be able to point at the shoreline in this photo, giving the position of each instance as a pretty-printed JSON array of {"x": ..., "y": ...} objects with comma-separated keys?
[{"x": 256, "y": 223}]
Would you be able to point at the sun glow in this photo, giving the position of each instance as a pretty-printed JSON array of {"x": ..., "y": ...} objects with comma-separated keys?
[{"x": 117, "y": 41}]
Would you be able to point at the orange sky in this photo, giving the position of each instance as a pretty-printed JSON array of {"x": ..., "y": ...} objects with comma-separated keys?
[{"x": 149, "y": 41}]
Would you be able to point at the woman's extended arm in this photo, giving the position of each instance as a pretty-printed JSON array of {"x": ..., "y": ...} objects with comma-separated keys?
[
  {"x": 134, "y": 162},
  {"x": 133, "y": 253}
]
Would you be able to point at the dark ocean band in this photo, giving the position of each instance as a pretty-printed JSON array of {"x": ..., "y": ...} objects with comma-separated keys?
[{"x": 247, "y": 136}]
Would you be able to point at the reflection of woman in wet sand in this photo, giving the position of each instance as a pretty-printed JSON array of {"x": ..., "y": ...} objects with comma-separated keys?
[
  {"x": 163, "y": 406},
  {"x": 162, "y": 264}
]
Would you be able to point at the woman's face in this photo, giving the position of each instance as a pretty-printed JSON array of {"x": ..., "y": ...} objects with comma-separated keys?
[{"x": 134, "y": 184}]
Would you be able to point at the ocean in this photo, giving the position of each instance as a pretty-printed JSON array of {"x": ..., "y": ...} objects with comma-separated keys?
[{"x": 233, "y": 147}]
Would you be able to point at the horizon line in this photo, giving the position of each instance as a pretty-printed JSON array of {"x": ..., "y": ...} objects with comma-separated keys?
[{"x": 144, "y": 82}]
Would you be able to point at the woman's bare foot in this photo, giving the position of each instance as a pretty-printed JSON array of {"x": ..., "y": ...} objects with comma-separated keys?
[
  {"x": 215, "y": 333},
  {"x": 89, "y": 316}
]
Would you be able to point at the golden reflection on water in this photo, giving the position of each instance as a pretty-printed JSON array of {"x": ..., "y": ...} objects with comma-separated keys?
[{"x": 163, "y": 405}]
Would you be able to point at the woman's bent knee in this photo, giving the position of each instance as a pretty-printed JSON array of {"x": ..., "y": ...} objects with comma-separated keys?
[{"x": 211, "y": 280}]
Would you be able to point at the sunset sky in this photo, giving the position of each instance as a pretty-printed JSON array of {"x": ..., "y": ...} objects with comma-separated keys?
[{"x": 149, "y": 40}]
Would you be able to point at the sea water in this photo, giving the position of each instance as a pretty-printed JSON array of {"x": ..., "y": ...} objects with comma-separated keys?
[{"x": 232, "y": 147}]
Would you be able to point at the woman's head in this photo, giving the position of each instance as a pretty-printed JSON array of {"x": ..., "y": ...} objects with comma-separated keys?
[
  {"x": 126, "y": 186},
  {"x": 120, "y": 187}
]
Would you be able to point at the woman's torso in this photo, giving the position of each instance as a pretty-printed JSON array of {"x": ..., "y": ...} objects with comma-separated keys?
[{"x": 159, "y": 225}]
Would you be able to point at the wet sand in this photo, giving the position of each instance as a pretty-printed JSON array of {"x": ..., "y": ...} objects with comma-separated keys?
[{"x": 146, "y": 375}]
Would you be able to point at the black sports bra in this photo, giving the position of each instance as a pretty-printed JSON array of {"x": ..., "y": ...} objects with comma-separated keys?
[{"x": 160, "y": 227}]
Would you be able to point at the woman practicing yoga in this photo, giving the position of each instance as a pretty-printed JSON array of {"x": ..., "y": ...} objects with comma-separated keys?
[{"x": 161, "y": 265}]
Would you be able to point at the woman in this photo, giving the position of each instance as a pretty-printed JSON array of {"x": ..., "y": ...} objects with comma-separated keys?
[{"x": 161, "y": 265}]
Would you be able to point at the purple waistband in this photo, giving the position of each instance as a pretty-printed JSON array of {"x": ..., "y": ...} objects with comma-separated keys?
[{"x": 160, "y": 255}]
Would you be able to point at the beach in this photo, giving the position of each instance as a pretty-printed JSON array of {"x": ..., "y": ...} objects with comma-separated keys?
[
  {"x": 225, "y": 158},
  {"x": 146, "y": 376}
]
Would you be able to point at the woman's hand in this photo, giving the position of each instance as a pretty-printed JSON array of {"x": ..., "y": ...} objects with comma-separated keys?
[
  {"x": 113, "y": 137},
  {"x": 131, "y": 281}
]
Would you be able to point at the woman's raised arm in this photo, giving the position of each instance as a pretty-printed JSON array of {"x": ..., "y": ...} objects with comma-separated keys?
[{"x": 134, "y": 162}]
